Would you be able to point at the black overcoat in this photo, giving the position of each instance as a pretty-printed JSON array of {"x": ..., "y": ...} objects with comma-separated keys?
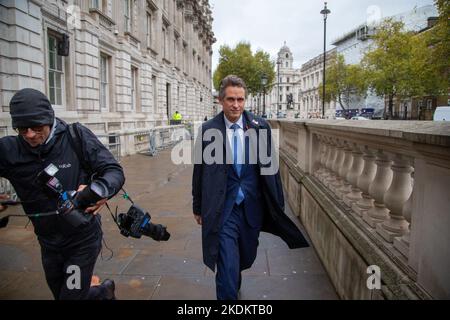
[{"x": 209, "y": 184}]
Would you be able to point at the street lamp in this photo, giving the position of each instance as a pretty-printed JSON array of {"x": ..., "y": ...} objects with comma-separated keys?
[
  {"x": 278, "y": 82},
  {"x": 264, "y": 83},
  {"x": 325, "y": 12}
]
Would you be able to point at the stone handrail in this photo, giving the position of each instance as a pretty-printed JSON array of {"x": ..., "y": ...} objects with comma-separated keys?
[{"x": 388, "y": 181}]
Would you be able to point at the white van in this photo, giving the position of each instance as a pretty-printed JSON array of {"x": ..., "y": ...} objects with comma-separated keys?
[{"x": 442, "y": 114}]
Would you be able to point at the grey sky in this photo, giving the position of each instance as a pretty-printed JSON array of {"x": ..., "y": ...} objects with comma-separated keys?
[{"x": 266, "y": 24}]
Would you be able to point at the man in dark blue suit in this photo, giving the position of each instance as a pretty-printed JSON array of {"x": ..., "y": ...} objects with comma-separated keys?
[{"x": 234, "y": 198}]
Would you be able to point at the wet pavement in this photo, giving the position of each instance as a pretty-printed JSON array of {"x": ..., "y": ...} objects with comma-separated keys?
[{"x": 145, "y": 269}]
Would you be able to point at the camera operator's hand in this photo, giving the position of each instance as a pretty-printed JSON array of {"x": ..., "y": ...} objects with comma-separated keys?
[
  {"x": 3, "y": 197},
  {"x": 97, "y": 207}
]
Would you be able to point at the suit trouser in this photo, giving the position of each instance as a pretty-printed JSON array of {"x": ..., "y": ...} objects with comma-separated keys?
[
  {"x": 61, "y": 266},
  {"x": 238, "y": 243}
]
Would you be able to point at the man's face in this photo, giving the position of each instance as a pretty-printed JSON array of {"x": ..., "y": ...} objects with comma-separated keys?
[
  {"x": 233, "y": 103},
  {"x": 35, "y": 136}
]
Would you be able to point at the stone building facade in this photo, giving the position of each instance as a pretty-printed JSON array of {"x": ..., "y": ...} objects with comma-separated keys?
[
  {"x": 296, "y": 93},
  {"x": 309, "y": 82},
  {"x": 117, "y": 66}
]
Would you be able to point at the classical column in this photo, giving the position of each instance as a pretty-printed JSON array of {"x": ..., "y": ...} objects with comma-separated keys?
[
  {"x": 364, "y": 181},
  {"x": 343, "y": 170},
  {"x": 377, "y": 189},
  {"x": 395, "y": 198}
]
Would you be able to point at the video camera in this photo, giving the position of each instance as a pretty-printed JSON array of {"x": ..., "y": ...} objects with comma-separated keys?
[{"x": 136, "y": 222}]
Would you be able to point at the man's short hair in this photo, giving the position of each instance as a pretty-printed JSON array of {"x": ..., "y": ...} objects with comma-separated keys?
[{"x": 231, "y": 81}]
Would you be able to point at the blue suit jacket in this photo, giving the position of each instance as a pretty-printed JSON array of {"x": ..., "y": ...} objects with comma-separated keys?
[{"x": 249, "y": 181}]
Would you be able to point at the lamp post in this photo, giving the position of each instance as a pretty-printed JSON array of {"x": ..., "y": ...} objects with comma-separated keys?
[
  {"x": 264, "y": 83},
  {"x": 278, "y": 82},
  {"x": 325, "y": 12}
]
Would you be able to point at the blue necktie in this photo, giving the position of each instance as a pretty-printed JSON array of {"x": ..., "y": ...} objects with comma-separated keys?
[{"x": 237, "y": 153}]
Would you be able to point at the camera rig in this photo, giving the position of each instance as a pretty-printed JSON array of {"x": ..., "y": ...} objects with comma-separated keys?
[{"x": 71, "y": 206}]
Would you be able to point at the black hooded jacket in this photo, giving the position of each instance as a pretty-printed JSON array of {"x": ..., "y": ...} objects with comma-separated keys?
[{"x": 20, "y": 163}]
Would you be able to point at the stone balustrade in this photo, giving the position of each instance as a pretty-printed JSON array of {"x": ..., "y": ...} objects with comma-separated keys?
[{"x": 373, "y": 193}]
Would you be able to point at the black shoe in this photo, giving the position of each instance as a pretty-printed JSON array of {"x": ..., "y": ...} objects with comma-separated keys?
[{"x": 108, "y": 288}]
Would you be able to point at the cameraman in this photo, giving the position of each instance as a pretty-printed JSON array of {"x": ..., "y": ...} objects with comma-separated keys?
[{"x": 42, "y": 139}]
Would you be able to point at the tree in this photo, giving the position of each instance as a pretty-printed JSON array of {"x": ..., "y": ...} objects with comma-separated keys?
[
  {"x": 438, "y": 42},
  {"x": 241, "y": 62},
  {"x": 401, "y": 64},
  {"x": 343, "y": 83}
]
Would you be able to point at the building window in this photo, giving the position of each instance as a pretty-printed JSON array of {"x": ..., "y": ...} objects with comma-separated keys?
[
  {"x": 287, "y": 88},
  {"x": 55, "y": 72},
  {"x": 174, "y": 11},
  {"x": 429, "y": 104},
  {"x": 155, "y": 93},
  {"x": 94, "y": 4},
  {"x": 281, "y": 98},
  {"x": 287, "y": 64},
  {"x": 134, "y": 91},
  {"x": 175, "y": 51},
  {"x": 127, "y": 13},
  {"x": 148, "y": 29},
  {"x": 185, "y": 58},
  {"x": 165, "y": 46},
  {"x": 104, "y": 83},
  {"x": 287, "y": 80}
]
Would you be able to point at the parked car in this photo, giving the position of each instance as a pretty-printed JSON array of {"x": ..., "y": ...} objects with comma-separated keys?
[
  {"x": 442, "y": 114},
  {"x": 359, "y": 118}
]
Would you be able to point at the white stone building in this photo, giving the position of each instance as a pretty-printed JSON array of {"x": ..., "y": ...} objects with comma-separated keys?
[
  {"x": 296, "y": 93},
  {"x": 310, "y": 84},
  {"x": 355, "y": 43},
  {"x": 129, "y": 65}
]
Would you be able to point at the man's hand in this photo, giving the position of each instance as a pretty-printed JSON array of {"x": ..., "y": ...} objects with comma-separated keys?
[
  {"x": 95, "y": 208},
  {"x": 3, "y": 197},
  {"x": 198, "y": 219}
]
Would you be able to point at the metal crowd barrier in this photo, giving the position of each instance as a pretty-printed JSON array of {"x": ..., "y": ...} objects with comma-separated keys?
[
  {"x": 161, "y": 138},
  {"x": 112, "y": 143}
]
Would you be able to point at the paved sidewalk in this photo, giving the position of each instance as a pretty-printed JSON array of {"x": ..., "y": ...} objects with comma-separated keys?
[{"x": 146, "y": 269}]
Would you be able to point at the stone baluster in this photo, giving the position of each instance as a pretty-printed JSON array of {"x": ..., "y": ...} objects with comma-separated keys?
[
  {"x": 395, "y": 198},
  {"x": 360, "y": 167},
  {"x": 353, "y": 164},
  {"x": 402, "y": 243},
  {"x": 365, "y": 202},
  {"x": 321, "y": 156},
  {"x": 377, "y": 189},
  {"x": 336, "y": 165},
  {"x": 327, "y": 149},
  {"x": 343, "y": 170},
  {"x": 330, "y": 160}
]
